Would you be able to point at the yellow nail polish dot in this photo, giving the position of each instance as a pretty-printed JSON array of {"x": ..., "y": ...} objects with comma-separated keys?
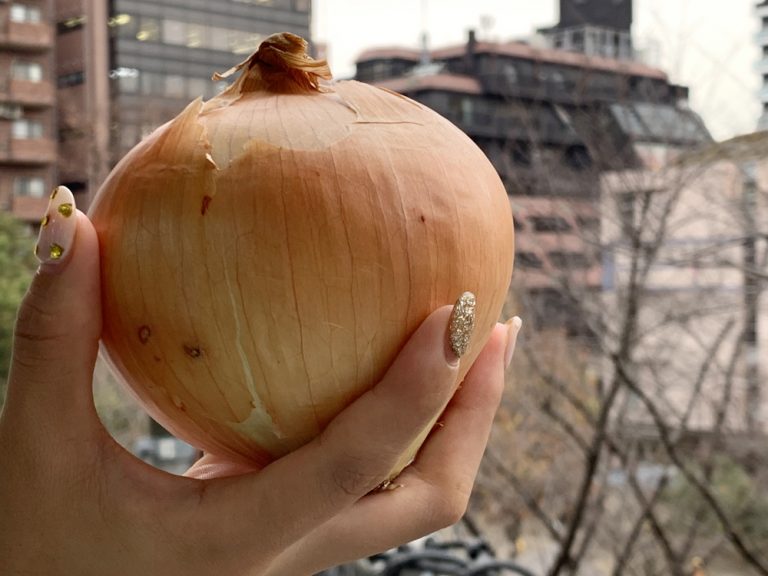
[
  {"x": 65, "y": 210},
  {"x": 56, "y": 251},
  {"x": 46, "y": 220},
  {"x": 55, "y": 191}
]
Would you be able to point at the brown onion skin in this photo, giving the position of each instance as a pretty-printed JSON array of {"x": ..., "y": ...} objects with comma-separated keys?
[{"x": 272, "y": 253}]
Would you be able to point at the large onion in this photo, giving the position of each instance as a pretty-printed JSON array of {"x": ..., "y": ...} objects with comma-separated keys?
[{"x": 266, "y": 254}]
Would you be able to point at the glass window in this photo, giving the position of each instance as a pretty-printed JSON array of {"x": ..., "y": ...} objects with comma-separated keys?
[
  {"x": 128, "y": 84},
  {"x": 152, "y": 83},
  {"x": 528, "y": 260},
  {"x": 550, "y": 224},
  {"x": 25, "y": 13},
  {"x": 197, "y": 87},
  {"x": 29, "y": 186},
  {"x": 31, "y": 71},
  {"x": 175, "y": 86},
  {"x": 561, "y": 259},
  {"x": 219, "y": 38},
  {"x": 125, "y": 25},
  {"x": 174, "y": 32},
  {"x": 73, "y": 79},
  {"x": 243, "y": 42},
  {"x": 149, "y": 30},
  {"x": 129, "y": 135},
  {"x": 24, "y": 129},
  {"x": 196, "y": 36}
]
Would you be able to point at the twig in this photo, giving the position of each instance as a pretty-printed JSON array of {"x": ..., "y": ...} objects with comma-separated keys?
[{"x": 731, "y": 534}]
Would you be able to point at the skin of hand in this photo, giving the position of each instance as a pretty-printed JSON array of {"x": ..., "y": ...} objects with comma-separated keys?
[{"x": 72, "y": 501}]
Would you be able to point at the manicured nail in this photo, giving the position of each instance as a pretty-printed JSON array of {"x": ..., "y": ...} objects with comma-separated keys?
[
  {"x": 57, "y": 230},
  {"x": 513, "y": 329},
  {"x": 460, "y": 326}
]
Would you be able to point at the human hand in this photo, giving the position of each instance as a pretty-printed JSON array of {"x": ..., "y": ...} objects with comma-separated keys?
[{"x": 72, "y": 501}]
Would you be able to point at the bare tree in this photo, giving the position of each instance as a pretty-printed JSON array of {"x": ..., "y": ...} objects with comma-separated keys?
[{"x": 632, "y": 439}]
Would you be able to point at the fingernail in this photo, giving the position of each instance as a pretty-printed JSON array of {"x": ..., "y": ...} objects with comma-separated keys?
[
  {"x": 513, "y": 328},
  {"x": 460, "y": 327},
  {"x": 57, "y": 230}
]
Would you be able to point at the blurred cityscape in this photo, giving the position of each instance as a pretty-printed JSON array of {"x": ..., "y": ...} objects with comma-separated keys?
[{"x": 641, "y": 255}]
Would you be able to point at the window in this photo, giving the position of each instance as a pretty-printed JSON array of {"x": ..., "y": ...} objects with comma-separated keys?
[
  {"x": 588, "y": 223},
  {"x": 219, "y": 39},
  {"x": 70, "y": 24},
  {"x": 152, "y": 83},
  {"x": 174, "y": 32},
  {"x": 196, "y": 36},
  {"x": 149, "y": 30},
  {"x": 528, "y": 260},
  {"x": 197, "y": 87},
  {"x": 73, "y": 79},
  {"x": 243, "y": 42},
  {"x": 24, "y": 129},
  {"x": 25, "y": 14},
  {"x": 30, "y": 71},
  {"x": 33, "y": 187},
  {"x": 175, "y": 86},
  {"x": 569, "y": 260},
  {"x": 550, "y": 224},
  {"x": 129, "y": 135}
]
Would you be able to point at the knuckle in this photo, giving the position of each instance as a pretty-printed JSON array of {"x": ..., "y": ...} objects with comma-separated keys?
[
  {"x": 354, "y": 478},
  {"x": 448, "y": 509}
]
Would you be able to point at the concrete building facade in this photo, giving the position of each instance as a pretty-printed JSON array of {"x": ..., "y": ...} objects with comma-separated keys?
[{"x": 702, "y": 336}]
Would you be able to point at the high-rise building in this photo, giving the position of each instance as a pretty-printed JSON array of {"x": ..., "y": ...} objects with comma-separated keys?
[
  {"x": 127, "y": 66},
  {"x": 762, "y": 40},
  {"x": 27, "y": 111}
]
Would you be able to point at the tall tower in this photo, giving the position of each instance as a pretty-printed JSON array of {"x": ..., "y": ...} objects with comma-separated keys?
[
  {"x": 594, "y": 27},
  {"x": 762, "y": 40}
]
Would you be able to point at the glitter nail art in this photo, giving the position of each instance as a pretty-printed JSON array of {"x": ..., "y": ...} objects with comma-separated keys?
[{"x": 462, "y": 323}]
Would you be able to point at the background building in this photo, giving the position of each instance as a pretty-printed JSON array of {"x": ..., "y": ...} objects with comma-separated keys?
[
  {"x": 762, "y": 41},
  {"x": 27, "y": 98},
  {"x": 551, "y": 121},
  {"x": 702, "y": 292},
  {"x": 126, "y": 66}
]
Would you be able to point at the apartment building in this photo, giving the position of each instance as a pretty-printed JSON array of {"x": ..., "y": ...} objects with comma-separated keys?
[{"x": 27, "y": 107}]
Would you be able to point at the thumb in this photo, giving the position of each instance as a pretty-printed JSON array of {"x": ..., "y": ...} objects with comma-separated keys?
[{"x": 59, "y": 322}]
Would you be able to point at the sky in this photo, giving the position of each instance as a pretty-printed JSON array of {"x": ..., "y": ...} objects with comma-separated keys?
[{"x": 707, "y": 45}]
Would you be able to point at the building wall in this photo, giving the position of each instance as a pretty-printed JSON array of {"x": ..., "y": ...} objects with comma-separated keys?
[
  {"x": 143, "y": 63},
  {"x": 27, "y": 108},
  {"x": 761, "y": 11},
  {"x": 693, "y": 300}
]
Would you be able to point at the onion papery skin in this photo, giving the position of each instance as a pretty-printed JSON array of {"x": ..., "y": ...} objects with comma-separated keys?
[{"x": 265, "y": 255}]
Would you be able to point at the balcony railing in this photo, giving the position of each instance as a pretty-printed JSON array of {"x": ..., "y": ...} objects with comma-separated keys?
[
  {"x": 25, "y": 35},
  {"x": 26, "y": 93},
  {"x": 34, "y": 151}
]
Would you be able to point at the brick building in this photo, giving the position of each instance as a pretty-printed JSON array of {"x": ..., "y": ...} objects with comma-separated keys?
[{"x": 27, "y": 107}]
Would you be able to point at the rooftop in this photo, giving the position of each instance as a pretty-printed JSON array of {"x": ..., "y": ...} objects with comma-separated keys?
[{"x": 523, "y": 51}]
